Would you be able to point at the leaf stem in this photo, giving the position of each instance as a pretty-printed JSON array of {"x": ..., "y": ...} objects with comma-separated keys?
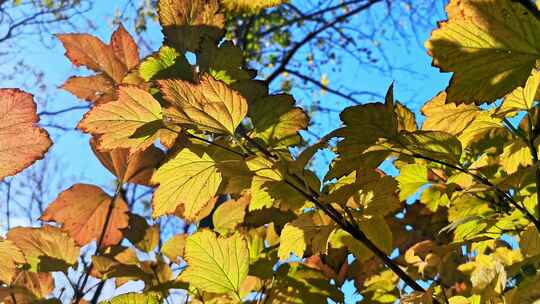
[
  {"x": 79, "y": 293},
  {"x": 337, "y": 217}
]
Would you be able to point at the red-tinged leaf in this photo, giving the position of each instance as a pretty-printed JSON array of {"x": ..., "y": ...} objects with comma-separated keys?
[
  {"x": 136, "y": 168},
  {"x": 82, "y": 211},
  {"x": 97, "y": 88},
  {"x": 125, "y": 48},
  {"x": 21, "y": 141},
  {"x": 89, "y": 51}
]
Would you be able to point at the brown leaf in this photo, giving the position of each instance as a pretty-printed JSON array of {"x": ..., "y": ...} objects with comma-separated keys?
[
  {"x": 98, "y": 88},
  {"x": 136, "y": 168},
  {"x": 82, "y": 210},
  {"x": 21, "y": 141},
  {"x": 125, "y": 48}
]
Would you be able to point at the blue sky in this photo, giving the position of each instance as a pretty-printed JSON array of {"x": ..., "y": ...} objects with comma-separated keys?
[{"x": 415, "y": 82}]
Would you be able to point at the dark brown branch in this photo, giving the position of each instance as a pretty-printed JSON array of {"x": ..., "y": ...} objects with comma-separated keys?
[
  {"x": 79, "y": 293},
  {"x": 290, "y": 54}
]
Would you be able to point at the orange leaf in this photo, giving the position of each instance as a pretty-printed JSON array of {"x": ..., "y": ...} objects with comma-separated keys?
[
  {"x": 82, "y": 210},
  {"x": 136, "y": 168},
  {"x": 97, "y": 88},
  {"x": 21, "y": 140},
  {"x": 10, "y": 255},
  {"x": 124, "y": 47},
  {"x": 89, "y": 51}
]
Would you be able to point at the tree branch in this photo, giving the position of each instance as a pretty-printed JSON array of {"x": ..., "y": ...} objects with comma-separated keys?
[{"x": 287, "y": 58}]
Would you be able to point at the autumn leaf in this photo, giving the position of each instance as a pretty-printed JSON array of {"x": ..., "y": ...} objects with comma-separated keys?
[
  {"x": 166, "y": 63},
  {"x": 224, "y": 63},
  {"x": 124, "y": 47},
  {"x": 479, "y": 34},
  {"x": 277, "y": 121},
  {"x": 520, "y": 99},
  {"x": 229, "y": 214},
  {"x": 447, "y": 117},
  {"x": 254, "y": 6},
  {"x": 134, "y": 298},
  {"x": 128, "y": 167},
  {"x": 209, "y": 105},
  {"x": 188, "y": 181},
  {"x": 11, "y": 257},
  {"x": 31, "y": 287},
  {"x": 186, "y": 22},
  {"x": 21, "y": 140},
  {"x": 134, "y": 121},
  {"x": 82, "y": 210},
  {"x": 217, "y": 265},
  {"x": 174, "y": 247},
  {"x": 89, "y": 51},
  {"x": 46, "y": 248},
  {"x": 98, "y": 88},
  {"x": 143, "y": 236}
]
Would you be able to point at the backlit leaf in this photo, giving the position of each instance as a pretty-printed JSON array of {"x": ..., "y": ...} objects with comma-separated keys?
[
  {"x": 134, "y": 121},
  {"x": 82, "y": 210},
  {"x": 11, "y": 256},
  {"x": 124, "y": 47},
  {"x": 229, "y": 214},
  {"x": 21, "y": 140},
  {"x": 447, "y": 117},
  {"x": 217, "y": 265},
  {"x": 209, "y": 105},
  {"x": 46, "y": 248},
  {"x": 186, "y": 22},
  {"x": 411, "y": 178},
  {"x": 478, "y": 34},
  {"x": 167, "y": 63},
  {"x": 186, "y": 181},
  {"x": 254, "y": 6},
  {"x": 134, "y": 168},
  {"x": 96, "y": 88},
  {"x": 89, "y": 51},
  {"x": 174, "y": 247},
  {"x": 277, "y": 121},
  {"x": 134, "y": 298},
  {"x": 522, "y": 98}
]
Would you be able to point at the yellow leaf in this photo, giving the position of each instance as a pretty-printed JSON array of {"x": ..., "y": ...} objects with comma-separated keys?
[
  {"x": 186, "y": 22},
  {"x": 229, "y": 214},
  {"x": 491, "y": 46},
  {"x": 217, "y": 265},
  {"x": 209, "y": 105},
  {"x": 46, "y": 248},
  {"x": 447, "y": 117},
  {"x": 174, "y": 247},
  {"x": 514, "y": 155},
  {"x": 251, "y": 6},
  {"x": 520, "y": 99},
  {"x": 134, "y": 121},
  {"x": 187, "y": 181},
  {"x": 11, "y": 256}
]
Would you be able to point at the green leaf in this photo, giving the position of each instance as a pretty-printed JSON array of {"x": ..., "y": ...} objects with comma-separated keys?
[
  {"x": 217, "y": 265},
  {"x": 224, "y": 62},
  {"x": 411, "y": 178},
  {"x": 167, "y": 63},
  {"x": 433, "y": 144},
  {"x": 187, "y": 183},
  {"x": 491, "y": 46}
]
